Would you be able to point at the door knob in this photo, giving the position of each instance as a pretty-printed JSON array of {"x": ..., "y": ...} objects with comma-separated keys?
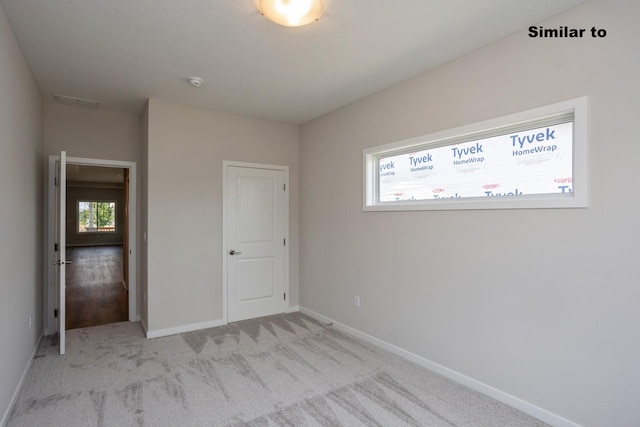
[{"x": 232, "y": 252}]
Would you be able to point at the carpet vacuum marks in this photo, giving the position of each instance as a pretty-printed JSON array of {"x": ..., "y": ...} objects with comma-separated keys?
[{"x": 283, "y": 370}]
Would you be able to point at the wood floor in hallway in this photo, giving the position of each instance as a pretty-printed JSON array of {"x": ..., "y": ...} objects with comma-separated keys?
[{"x": 94, "y": 293}]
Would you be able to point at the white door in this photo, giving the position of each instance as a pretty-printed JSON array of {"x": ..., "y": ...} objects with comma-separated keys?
[
  {"x": 257, "y": 224},
  {"x": 61, "y": 197}
]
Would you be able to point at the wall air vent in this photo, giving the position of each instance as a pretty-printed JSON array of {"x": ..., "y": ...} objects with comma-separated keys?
[{"x": 76, "y": 101}]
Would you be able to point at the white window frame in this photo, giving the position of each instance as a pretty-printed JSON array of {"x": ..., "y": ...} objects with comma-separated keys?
[{"x": 501, "y": 126}]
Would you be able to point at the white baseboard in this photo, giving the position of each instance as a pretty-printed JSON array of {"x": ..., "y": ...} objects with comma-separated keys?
[
  {"x": 5, "y": 416},
  {"x": 181, "y": 329},
  {"x": 88, "y": 245},
  {"x": 501, "y": 396},
  {"x": 293, "y": 309}
]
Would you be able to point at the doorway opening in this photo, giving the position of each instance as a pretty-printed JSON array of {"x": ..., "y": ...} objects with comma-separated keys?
[
  {"x": 100, "y": 239},
  {"x": 96, "y": 289}
]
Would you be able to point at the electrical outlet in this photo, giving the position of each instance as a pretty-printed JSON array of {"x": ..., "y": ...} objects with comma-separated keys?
[{"x": 356, "y": 301}]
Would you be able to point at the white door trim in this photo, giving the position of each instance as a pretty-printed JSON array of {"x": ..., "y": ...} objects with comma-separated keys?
[
  {"x": 225, "y": 169},
  {"x": 50, "y": 326}
]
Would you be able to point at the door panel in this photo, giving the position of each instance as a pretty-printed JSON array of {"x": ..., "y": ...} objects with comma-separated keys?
[
  {"x": 256, "y": 279},
  {"x": 256, "y": 228},
  {"x": 61, "y": 197},
  {"x": 255, "y": 195}
]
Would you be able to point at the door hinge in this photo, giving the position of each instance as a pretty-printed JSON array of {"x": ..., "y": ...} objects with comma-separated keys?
[
  {"x": 284, "y": 187},
  {"x": 284, "y": 242},
  {"x": 285, "y": 296},
  {"x": 55, "y": 247},
  {"x": 55, "y": 182},
  {"x": 55, "y": 312}
]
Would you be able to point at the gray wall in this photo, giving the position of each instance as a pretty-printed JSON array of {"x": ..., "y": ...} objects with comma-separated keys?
[
  {"x": 92, "y": 133},
  {"x": 186, "y": 148},
  {"x": 541, "y": 304},
  {"x": 93, "y": 192},
  {"x": 21, "y": 191}
]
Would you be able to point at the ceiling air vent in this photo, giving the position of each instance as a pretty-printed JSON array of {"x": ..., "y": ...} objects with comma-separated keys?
[{"x": 76, "y": 101}]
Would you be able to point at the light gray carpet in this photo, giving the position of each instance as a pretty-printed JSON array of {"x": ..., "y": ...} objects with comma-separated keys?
[{"x": 278, "y": 370}]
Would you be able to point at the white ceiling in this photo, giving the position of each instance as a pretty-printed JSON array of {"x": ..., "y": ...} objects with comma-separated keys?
[{"x": 121, "y": 52}]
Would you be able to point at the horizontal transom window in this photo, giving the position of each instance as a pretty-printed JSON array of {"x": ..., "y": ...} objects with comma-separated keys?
[{"x": 535, "y": 159}]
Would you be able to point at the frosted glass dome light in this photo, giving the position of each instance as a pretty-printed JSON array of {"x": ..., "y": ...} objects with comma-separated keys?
[{"x": 291, "y": 13}]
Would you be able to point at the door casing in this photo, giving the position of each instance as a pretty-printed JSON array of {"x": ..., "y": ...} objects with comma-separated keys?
[
  {"x": 225, "y": 222},
  {"x": 49, "y": 303}
]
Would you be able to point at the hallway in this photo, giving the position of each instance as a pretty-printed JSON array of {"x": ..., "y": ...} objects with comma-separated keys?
[{"x": 94, "y": 293}]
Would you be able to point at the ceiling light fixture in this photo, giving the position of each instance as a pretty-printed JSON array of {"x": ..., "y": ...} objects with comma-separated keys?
[{"x": 291, "y": 13}]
